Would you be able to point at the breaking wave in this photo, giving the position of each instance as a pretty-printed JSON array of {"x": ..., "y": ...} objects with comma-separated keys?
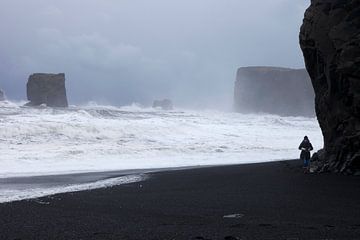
[{"x": 41, "y": 141}]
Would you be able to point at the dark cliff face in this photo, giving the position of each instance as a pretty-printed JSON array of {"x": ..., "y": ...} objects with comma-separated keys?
[
  {"x": 330, "y": 41},
  {"x": 47, "y": 89},
  {"x": 2, "y": 95},
  {"x": 281, "y": 91}
]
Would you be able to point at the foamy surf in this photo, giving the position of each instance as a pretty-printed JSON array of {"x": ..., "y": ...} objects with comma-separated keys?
[
  {"x": 93, "y": 138},
  {"x": 17, "y": 193}
]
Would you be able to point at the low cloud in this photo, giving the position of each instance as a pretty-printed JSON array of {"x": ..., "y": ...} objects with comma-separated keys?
[{"x": 135, "y": 51}]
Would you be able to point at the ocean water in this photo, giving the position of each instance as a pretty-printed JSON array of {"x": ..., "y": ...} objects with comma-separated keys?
[
  {"x": 94, "y": 138},
  {"x": 15, "y": 191}
]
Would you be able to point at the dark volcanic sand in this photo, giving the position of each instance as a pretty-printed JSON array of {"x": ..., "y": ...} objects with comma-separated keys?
[{"x": 275, "y": 200}]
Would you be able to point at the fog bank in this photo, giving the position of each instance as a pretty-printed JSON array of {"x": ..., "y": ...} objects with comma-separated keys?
[{"x": 119, "y": 52}]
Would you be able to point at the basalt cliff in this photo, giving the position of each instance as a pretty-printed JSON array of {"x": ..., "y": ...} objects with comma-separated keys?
[{"x": 330, "y": 41}]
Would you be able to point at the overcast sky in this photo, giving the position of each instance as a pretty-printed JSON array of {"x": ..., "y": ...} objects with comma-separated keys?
[{"x": 124, "y": 51}]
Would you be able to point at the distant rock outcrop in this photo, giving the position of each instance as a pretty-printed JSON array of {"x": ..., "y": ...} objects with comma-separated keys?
[
  {"x": 47, "y": 89},
  {"x": 165, "y": 104},
  {"x": 2, "y": 95},
  {"x": 273, "y": 90},
  {"x": 330, "y": 41}
]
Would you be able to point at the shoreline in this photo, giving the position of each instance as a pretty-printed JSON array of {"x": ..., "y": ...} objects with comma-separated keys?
[
  {"x": 272, "y": 200},
  {"x": 32, "y": 187},
  {"x": 38, "y": 186}
]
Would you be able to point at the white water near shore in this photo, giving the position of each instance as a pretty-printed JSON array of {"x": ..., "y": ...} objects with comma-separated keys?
[
  {"x": 43, "y": 141},
  {"x": 17, "y": 192},
  {"x": 92, "y": 138}
]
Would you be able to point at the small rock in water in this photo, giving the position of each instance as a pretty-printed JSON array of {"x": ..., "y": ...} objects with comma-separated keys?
[{"x": 165, "y": 104}]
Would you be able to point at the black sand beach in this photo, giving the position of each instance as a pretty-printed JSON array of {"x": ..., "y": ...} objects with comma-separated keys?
[{"x": 272, "y": 200}]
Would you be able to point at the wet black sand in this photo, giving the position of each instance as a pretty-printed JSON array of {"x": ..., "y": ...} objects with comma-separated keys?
[
  {"x": 53, "y": 181},
  {"x": 273, "y": 200}
]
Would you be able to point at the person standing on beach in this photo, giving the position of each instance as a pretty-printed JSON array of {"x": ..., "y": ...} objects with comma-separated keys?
[{"x": 305, "y": 147}]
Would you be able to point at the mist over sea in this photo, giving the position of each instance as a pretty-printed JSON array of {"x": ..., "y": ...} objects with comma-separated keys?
[{"x": 93, "y": 138}]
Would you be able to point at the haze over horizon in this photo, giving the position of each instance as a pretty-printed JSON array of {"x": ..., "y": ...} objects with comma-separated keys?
[{"x": 120, "y": 52}]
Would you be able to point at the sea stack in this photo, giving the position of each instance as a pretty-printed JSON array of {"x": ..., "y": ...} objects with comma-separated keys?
[
  {"x": 2, "y": 95},
  {"x": 49, "y": 89},
  {"x": 330, "y": 41},
  {"x": 165, "y": 104},
  {"x": 274, "y": 90}
]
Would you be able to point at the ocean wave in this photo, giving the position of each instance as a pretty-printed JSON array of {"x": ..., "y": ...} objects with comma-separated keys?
[{"x": 94, "y": 137}]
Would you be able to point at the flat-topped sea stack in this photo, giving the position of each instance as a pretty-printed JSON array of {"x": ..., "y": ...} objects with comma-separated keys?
[
  {"x": 49, "y": 89},
  {"x": 165, "y": 104},
  {"x": 2, "y": 95},
  {"x": 330, "y": 41},
  {"x": 274, "y": 90}
]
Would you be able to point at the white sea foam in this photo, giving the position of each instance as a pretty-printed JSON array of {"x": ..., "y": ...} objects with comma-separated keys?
[
  {"x": 10, "y": 195},
  {"x": 42, "y": 141}
]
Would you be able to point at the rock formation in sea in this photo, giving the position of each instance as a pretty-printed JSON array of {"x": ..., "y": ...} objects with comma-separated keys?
[
  {"x": 49, "y": 89},
  {"x": 274, "y": 90},
  {"x": 165, "y": 104},
  {"x": 330, "y": 41},
  {"x": 2, "y": 95}
]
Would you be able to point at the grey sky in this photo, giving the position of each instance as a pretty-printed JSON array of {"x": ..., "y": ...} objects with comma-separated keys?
[{"x": 123, "y": 51}]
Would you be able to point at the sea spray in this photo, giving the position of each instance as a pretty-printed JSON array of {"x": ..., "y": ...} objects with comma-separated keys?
[{"x": 42, "y": 141}]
